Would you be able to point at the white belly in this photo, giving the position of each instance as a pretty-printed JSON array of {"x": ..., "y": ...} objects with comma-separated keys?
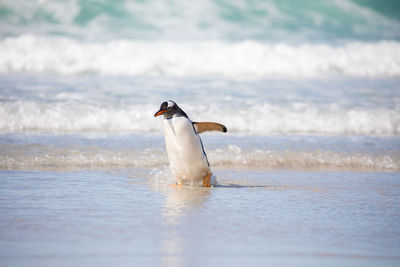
[{"x": 185, "y": 152}]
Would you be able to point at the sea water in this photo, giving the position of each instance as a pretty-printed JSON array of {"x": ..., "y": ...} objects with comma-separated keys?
[{"x": 309, "y": 168}]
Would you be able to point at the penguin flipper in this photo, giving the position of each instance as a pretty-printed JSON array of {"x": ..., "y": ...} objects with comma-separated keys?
[{"x": 209, "y": 126}]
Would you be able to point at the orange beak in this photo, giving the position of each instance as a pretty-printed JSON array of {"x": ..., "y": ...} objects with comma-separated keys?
[{"x": 160, "y": 112}]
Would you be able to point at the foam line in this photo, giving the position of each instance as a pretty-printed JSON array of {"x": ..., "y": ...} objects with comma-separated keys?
[{"x": 237, "y": 60}]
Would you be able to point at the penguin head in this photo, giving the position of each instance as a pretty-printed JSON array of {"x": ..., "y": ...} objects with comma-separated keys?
[{"x": 170, "y": 109}]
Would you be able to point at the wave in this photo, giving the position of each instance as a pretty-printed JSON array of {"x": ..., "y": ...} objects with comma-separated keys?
[
  {"x": 35, "y": 156},
  {"x": 234, "y": 157},
  {"x": 233, "y": 60},
  {"x": 264, "y": 118},
  {"x": 224, "y": 20}
]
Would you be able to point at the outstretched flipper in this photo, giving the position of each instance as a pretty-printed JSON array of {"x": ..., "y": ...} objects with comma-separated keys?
[{"x": 209, "y": 126}]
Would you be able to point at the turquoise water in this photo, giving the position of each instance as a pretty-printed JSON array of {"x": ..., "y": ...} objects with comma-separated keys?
[
  {"x": 277, "y": 20},
  {"x": 220, "y": 39}
]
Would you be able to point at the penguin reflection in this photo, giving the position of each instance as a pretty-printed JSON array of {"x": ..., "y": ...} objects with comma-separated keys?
[{"x": 182, "y": 206}]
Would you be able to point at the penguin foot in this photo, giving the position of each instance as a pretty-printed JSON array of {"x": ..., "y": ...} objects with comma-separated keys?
[{"x": 207, "y": 180}]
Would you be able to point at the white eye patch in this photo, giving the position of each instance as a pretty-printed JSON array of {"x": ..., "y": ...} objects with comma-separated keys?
[{"x": 170, "y": 103}]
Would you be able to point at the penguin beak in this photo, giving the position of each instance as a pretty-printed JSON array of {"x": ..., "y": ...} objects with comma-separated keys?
[{"x": 160, "y": 112}]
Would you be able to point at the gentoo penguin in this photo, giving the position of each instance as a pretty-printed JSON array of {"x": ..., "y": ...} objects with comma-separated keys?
[{"x": 187, "y": 158}]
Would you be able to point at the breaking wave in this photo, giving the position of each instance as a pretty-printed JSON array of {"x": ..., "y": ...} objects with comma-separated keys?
[
  {"x": 234, "y": 60},
  {"x": 20, "y": 157},
  {"x": 197, "y": 20},
  {"x": 25, "y": 116}
]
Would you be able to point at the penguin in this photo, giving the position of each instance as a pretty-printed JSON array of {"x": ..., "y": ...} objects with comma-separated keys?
[{"x": 186, "y": 155}]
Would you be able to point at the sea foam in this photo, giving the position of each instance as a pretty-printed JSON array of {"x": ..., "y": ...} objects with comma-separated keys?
[
  {"x": 29, "y": 116},
  {"x": 35, "y": 156},
  {"x": 234, "y": 60}
]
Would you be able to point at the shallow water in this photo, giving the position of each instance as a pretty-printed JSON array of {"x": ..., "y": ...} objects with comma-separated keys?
[{"x": 277, "y": 217}]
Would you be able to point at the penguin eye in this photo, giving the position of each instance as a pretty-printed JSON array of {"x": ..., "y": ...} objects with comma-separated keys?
[{"x": 169, "y": 108}]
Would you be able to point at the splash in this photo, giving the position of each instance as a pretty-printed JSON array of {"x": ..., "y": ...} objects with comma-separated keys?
[
  {"x": 244, "y": 60},
  {"x": 42, "y": 157},
  {"x": 256, "y": 118}
]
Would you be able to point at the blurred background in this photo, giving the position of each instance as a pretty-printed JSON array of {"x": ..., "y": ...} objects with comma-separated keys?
[
  {"x": 239, "y": 38},
  {"x": 175, "y": 20}
]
